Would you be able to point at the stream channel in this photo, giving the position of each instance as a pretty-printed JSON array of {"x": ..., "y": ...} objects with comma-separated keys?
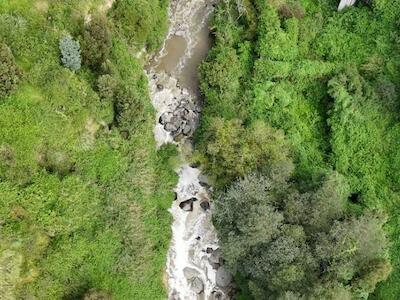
[{"x": 195, "y": 268}]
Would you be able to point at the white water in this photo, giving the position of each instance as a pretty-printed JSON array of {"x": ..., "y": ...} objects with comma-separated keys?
[{"x": 175, "y": 68}]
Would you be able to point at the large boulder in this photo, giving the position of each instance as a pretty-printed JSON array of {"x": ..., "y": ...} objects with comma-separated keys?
[
  {"x": 190, "y": 273},
  {"x": 223, "y": 277},
  {"x": 215, "y": 256},
  {"x": 205, "y": 205},
  {"x": 196, "y": 285},
  {"x": 187, "y": 205}
]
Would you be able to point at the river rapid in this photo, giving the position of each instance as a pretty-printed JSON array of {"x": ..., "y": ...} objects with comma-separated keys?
[{"x": 195, "y": 268}]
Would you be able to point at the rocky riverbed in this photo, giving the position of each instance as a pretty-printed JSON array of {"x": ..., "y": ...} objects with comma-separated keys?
[{"x": 195, "y": 266}]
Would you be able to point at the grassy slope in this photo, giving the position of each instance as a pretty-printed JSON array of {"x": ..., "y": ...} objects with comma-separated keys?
[{"x": 104, "y": 225}]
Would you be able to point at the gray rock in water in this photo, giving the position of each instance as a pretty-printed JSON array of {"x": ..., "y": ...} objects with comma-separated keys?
[
  {"x": 205, "y": 205},
  {"x": 223, "y": 277},
  {"x": 187, "y": 129},
  {"x": 194, "y": 165},
  {"x": 187, "y": 205},
  {"x": 190, "y": 273},
  {"x": 170, "y": 127},
  {"x": 203, "y": 180},
  {"x": 215, "y": 256},
  {"x": 217, "y": 295},
  {"x": 164, "y": 118},
  {"x": 196, "y": 285}
]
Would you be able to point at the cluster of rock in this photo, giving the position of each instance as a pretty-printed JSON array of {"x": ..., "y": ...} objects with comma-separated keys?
[
  {"x": 182, "y": 120},
  {"x": 223, "y": 277},
  {"x": 225, "y": 288},
  {"x": 187, "y": 205}
]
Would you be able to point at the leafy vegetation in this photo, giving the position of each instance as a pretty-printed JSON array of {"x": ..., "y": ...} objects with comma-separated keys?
[
  {"x": 70, "y": 53},
  {"x": 96, "y": 41},
  {"x": 9, "y": 71},
  {"x": 328, "y": 81},
  {"x": 83, "y": 191},
  {"x": 137, "y": 21},
  {"x": 302, "y": 244}
]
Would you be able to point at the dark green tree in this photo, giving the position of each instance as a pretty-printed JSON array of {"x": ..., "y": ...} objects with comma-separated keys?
[
  {"x": 96, "y": 42},
  {"x": 287, "y": 242},
  {"x": 10, "y": 73}
]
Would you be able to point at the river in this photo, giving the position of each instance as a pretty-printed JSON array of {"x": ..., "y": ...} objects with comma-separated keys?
[{"x": 195, "y": 268}]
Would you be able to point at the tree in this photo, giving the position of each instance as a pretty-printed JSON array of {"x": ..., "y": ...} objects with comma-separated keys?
[
  {"x": 238, "y": 213},
  {"x": 96, "y": 42},
  {"x": 286, "y": 242},
  {"x": 70, "y": 53},
  {"x": 10, "y": 73}
]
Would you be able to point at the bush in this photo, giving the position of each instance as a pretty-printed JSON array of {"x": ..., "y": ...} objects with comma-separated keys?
[
  {"x": 128, "y": 109},
  {"x": 9, "y": 72},
  {"x": 96, "y": 42},
  {"x": 70, "y": 53},
  {"x": 142, "y": 22},
  {"x": 233, "y": 151},
  {"x": 106, "y": 86}
]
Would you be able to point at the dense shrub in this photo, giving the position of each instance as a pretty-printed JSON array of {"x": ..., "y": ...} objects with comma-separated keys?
[
  {"x": 96, "y": 42},
  {"x": 106, "y": 86},
  {"x": 142, "y": 22},
  {"x": 70, "y": 53},
  {"x": 10, "y": 73},
  {"x": 128, "y": 109},
  {"x": 220, "y": 82},
  {"x": 13, "y": 31},
  {"x": 285, "y": 241},
  {"x": 234, "y": 151}
]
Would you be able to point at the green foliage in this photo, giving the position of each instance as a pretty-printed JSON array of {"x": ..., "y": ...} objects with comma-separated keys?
[
  {"x": 357, "y": 112},
  {"x": 222, "y": 81},
  {"x": 96, "y": 295},
  {"x": 106, "y": 86},
  {"x": 10, "y": 73},
  {"x": 330, "y": 81},
  {"x": 142, "y": 22},
  {"x": 84, "y": 210},
  {"x": 70, "y": 53},
  {"x": 96, "y": 42},
  {"x": 234, "y": 151},
  {"x": 267, "y": 236},
  {"x": 128, "y": 109}
]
